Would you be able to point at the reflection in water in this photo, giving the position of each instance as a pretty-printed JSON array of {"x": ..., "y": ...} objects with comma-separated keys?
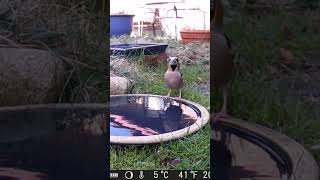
[
  {"x": 239, "y": 154},
  {"x": 145, "y": 116},
  {"x": 52, "y": 144}
]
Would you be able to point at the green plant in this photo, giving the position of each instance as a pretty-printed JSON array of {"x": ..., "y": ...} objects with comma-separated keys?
[{"x": 309, "y": 4}]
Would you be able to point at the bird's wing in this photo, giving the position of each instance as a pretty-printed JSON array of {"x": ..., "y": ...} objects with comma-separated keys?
[{"x": 222, "y": 59}]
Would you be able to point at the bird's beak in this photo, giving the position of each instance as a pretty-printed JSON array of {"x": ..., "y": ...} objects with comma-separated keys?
[{"x": 173, "y": 66}]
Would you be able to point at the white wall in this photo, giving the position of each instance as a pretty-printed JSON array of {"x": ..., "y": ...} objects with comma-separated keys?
[
  {"x": 193, "y": 19},
  {"x": 127, "y": 6}
]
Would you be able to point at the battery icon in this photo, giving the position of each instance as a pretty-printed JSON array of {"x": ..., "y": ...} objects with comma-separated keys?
[{"x": 114, "y": 175}]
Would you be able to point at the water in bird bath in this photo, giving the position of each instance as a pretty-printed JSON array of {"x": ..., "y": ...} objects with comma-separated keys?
[
  {"x": 243, "y": 150},
  {"x": 149, "y": 115},
  {"x": 52, "y": 142}
]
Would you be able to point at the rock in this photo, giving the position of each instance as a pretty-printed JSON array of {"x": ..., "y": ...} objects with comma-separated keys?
[
  {"x": 29, "y": 76},
  {"x": 15, "y": 173},
  {"x": 119, "y": 85}
]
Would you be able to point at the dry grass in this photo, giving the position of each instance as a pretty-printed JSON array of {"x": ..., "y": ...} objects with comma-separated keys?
[
  {"x": 71, "y": 30},
  {"x": 267, "y": 90}
]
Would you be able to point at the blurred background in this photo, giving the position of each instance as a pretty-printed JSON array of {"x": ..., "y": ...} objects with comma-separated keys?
[{"x": 168, "y": 16}]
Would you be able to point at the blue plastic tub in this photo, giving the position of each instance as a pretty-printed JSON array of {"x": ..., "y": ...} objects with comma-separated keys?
[{"x": 121, "y": 25}]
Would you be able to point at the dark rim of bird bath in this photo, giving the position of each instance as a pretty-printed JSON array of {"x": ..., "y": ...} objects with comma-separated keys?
[
  {"x": 292, "y": 156},
  {"x": 53, "y": 106},
  {"x": 201, "y": 121},
  {"x": 47, "y": 107}
]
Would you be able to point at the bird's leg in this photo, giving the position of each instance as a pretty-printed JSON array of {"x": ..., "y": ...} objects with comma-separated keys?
[
  {"x": 223, "y": 113},
  {"x": 225, "y": 99},
  {"x": 180, "y": 91},
  {"x": 169, "y": 92}
]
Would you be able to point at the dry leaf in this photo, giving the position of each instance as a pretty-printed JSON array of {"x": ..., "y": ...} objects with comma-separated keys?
[{"x": 199, "y": 79}]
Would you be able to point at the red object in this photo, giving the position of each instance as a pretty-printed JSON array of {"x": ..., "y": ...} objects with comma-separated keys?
[{"x": 189, "y": 36}]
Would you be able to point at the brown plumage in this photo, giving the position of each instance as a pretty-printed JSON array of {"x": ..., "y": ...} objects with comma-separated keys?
[
  {"x": 221, "y": 54},
  {"x": 173, "y": 77}
]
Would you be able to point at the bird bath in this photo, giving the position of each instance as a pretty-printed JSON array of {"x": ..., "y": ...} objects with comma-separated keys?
[
  {"x": 147, "y": 119},
  {"x": 243, "y": 150},
  {"x": 56, "y": 141}
]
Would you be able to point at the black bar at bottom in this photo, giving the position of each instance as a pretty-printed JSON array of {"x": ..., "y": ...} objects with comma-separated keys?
[{"x": 160, "y": 174}]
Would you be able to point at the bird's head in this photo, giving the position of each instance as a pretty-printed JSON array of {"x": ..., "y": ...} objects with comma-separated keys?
[{"x": 173, "y": 63}]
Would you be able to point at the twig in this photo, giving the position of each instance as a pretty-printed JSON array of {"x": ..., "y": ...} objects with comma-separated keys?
[
  {"x": 78, "y": 62},
  {"x": 9, "y": 41}
]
